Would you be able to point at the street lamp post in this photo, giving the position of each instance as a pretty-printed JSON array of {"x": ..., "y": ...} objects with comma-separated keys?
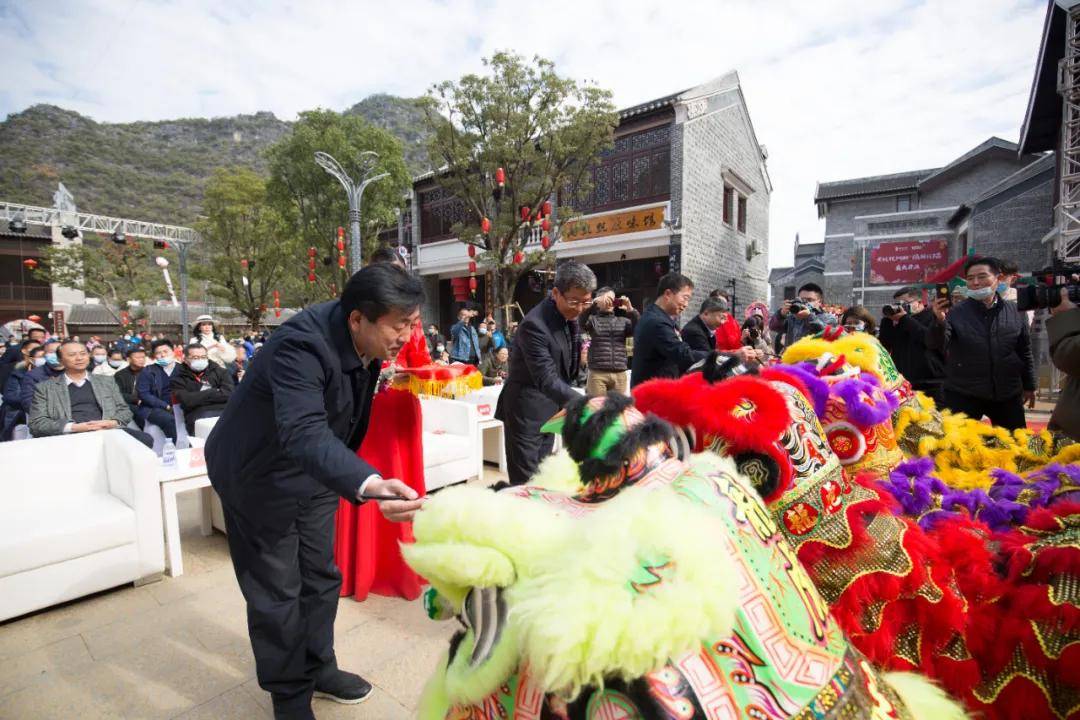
[
  {"x": 182, "y": 245},
  {"x": 355, "y": 193}
]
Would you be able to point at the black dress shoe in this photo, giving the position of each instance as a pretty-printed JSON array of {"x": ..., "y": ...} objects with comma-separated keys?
[{"x": 343, "y": 687}]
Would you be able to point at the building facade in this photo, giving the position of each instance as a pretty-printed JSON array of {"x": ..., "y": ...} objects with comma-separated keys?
[
  {"x": 21, "y": 293},
  {"x": 809, "y": 267},
  {"x": 885, "y": 232},
  {"x": 684, "y": 188}
]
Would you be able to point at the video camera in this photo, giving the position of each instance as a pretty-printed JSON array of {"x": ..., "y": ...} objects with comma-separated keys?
[
  {"x": 890, "y": 310},
  {"x": 1046, "y": 293}
]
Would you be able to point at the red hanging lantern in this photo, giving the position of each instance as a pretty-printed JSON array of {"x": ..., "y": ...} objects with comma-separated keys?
[
  {"x": 547, "y": 208},
  {"x": 262, "y": 308},
  {"x": 277, "y": 312},
  {"x": 545, "y": 242},
  {"x": 311, "y": 264},
  {"x": 311, "y": 252},
  {"x": 340, "y": 232},
  {"x": 276, "y": 295},
  {"x": 341, "y": 261},
  {"x": 525, "y": 211},
  {"x": 519, "y": 257},
  {"x": 472, "y": 284},
  {"x": 545, "y": 225},
  {"x": 500, "y": 177},
  {"x": 244, "y": 263},
  {"x": 311, "y": 277},
  {"x": 536, "y": 218},
  {"x": 340, "y": 245},
  {"x": 472, "y": 266},
  {"x": 485, "y": 226},
  {"x": 30, "y": 263},
  {"x": 472, "y": 250}
]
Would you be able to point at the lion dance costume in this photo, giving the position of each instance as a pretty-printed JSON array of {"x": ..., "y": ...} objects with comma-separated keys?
[
  {"x": 632, "y": 579},
  {"x": 962, "y": 562}
]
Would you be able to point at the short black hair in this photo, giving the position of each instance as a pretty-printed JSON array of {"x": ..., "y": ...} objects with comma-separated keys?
[
  {"x": 116, "y": 351},
  {"x": 193, "y": 346},
  {"x": 161, "y": 342},
  {"x": 1009, "y": 267},
  {"x": 711, "y": 304},
  {"x": 26, "y": 343},
  {"x": 68, "y": 341},
  {"x": 571, "y": 274},
  {"x": 135, "y": 349},
  {"x": 34, "y": 330},
  {"x": 991, "y": 262},
  {"x": 909, "y": 290},
  {"x": 720, "y": 293},
  {"x": 38, "y": 349},
  {"x": 812, "y": 287},
  {"x": 379, "y": 288},
  {"x": 385, "y": 254},
  {"x": 674, "y": 282}
]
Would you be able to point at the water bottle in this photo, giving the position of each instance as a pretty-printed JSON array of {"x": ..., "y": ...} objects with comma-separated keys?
[{"x": 168, "y": 454}]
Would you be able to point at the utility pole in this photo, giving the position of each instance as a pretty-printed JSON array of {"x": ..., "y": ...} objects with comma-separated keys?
[{"x": 355, "y": 193}]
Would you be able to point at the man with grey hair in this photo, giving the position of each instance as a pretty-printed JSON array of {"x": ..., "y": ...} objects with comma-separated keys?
[{"x": 547, "y": 350}]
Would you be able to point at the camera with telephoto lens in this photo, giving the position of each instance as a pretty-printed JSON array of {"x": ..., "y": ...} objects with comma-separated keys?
[
  {"x": 1047, "y": 293},
  {"x": 890, "y": 310},
  {"x": 797, "y": 306}
]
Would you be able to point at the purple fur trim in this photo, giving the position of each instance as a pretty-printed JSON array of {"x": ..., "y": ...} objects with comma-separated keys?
[
  {"x": 855, "y": 393},
  {"x": 818, "y": 389}
]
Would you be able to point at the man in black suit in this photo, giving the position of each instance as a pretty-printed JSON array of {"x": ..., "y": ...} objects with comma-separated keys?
[
  {"x": 279, "y": 457},
  {"x": 659, "y": 351},
  {"x": 700, "y": 332},
  {"x": 546, "y": 357}
]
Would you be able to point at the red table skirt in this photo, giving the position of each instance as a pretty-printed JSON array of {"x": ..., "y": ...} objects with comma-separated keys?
[{"x": 365, "y": 543}]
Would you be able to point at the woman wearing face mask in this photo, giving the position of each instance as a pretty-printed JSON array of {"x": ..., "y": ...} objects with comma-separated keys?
[
  {"x": 11, "y": 411},
  {"x": 858, "y": 319},
  {"x": 217, "y": 347},
  {"x": 107, "y": 363}
]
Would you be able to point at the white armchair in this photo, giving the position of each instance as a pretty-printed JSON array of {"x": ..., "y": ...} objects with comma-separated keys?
[
  {"x": 451, "y": 437},
  {"x": 86, "y": 519}
]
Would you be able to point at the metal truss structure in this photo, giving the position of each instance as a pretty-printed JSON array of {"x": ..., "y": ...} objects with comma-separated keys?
[
  {"x": 101, "y": 224},
  {"x": 1068, "y": 248}
]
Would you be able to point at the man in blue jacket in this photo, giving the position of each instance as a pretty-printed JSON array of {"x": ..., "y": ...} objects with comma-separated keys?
[
  {"x": 659, "y": 350},
  {"x": 465, "y": 339},
  {"x": 155, "y": 397},
  {"x": 280, "y": 456},
  {"x": 41, "y": 373}
]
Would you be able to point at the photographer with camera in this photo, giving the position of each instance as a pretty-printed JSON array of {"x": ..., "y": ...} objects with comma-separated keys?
[
  {"x": 802, "y": 316},
  {"x": 989, "y": 368},
  {"x": 1063, "y": 328},
  {"x": 903, "y": 334}
]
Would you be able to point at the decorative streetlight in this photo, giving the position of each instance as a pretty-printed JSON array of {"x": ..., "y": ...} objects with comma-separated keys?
[{"x": 355, "y": 193}]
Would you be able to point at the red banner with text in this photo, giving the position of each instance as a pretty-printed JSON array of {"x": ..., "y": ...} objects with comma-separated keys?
[{"x": 910, "y": 261}]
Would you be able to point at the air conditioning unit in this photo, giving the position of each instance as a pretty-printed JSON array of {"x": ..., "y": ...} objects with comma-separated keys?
[{"x": 753, "y": 249}]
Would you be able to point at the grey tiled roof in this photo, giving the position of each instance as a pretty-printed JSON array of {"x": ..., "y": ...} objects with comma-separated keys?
[
  {"x": 871, "y": 185},
  {"x": 169, "y": 315},
  {"x": 1044, "y": 163}
]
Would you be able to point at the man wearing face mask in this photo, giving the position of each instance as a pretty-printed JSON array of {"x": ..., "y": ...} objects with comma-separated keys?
[
  {"x": 989, "y": 368},
  {"x": 100, "y": 362},
  {"x": 40, "y": 373},
  {"x": 152, "y": 385},
  {"x": 11, "y": 412},
  {"x": 201, "y": 387},
  {"x": 903, "y": 334}
]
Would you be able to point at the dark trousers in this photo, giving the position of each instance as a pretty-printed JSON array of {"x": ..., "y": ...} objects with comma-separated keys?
[
  {"x": 140, "y": 436},
  {"x": 163, "y": 419},
  {"x": 199, "y": 414},
  {"x": 1008, "y": 413},
  {"x": 291, "y": 589},
  {"x": 526, "y": 446}
]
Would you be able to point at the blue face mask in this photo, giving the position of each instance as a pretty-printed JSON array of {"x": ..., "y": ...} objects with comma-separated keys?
[
  {"x": 164, "y": 362},
  {"x": 52, "y": 359},
  {"x": 981, "y": 293}
]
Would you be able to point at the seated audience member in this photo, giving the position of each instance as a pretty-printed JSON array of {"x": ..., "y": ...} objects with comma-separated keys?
[
  {"x": 153, "y": 387},
  {"x": 11, "y": 412},
  {"x": 858, "y": 319},
  {"x": 496, "y": 366},
  {"x": 126, "y": 379},
  {"x": 200, "y": 386},
  {"x": 77, "y": 401},
  {"x": 50, "y": 369},
  {"x": 114, "y": 361}
]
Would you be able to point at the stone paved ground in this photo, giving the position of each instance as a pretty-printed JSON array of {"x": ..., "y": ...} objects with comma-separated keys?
[{"x": 179, "y": 649}]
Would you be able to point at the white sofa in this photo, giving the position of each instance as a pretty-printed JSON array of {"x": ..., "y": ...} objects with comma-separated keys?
[
  {"x": 78, "y": 514},
  {"x": 452, "y": 445}
]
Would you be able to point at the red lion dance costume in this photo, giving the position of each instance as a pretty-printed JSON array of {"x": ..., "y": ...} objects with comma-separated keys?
[{"x": 990, "y": 614}]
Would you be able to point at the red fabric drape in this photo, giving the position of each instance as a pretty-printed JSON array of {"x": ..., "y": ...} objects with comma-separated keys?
[
  {"x": 415, "y": 351},
  {"x": 729, "y": 334},
  {"x": 366, "y": 544}
]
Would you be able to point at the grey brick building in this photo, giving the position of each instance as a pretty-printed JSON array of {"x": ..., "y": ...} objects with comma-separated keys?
[
  {"x": 687, "y": 184},
  {"x": 991, "y": 200},
  {"x": 809, "y": 267}
]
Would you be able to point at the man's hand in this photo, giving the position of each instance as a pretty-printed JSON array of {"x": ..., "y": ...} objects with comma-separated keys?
[
  {"x": 83, "y": 427},
  {"x": 785, "y": 308},
  {"x": 940, "y": 308},
  {"x": 1065, "y": 305},
  {"x": 604, "y": 303},
  {"x": 626, "y": 304},
  {"x": 803, "y": 314},
  {"x": 93, "y": 425},
  {"x": 745, "y": 353},
  {"x": 1029, "y": 398},
  {"x": 395, "y": 510}
]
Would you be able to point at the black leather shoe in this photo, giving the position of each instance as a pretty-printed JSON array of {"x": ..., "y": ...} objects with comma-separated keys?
[{"x": 343, "y": 687}]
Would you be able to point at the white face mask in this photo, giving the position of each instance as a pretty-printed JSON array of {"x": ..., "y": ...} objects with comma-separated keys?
[
  {"x": 39, "y": 361},
  {"x": 482, "y": 331},
  {"x": 116, "y": 363},
  {"x": 199, "y": 365},
  {"x": 438, "y": 349},
  {"x": 99, "y": 359}
]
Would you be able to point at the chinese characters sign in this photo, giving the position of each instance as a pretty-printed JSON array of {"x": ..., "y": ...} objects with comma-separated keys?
[
  {"x": 897, "y": 263},
  {"x": 616, "y": 223}
]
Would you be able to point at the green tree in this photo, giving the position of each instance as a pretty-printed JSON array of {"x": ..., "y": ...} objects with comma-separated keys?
[
  {"x": 544, "y": 130},
  {"x": 313, "y": 202},
  {"x": 247, "y": 248},
  {"x": 114, "y": 274}
]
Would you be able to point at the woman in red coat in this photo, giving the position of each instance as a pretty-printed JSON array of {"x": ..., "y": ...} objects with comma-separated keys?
[{"x": 366, "y": 546}]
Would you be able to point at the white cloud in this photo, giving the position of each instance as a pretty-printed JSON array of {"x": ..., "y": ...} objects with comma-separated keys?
[{"x": 836, "y": 88}]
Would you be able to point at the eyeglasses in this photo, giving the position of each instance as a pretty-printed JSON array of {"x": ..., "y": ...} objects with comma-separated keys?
[{"x": 577, "y": 304}]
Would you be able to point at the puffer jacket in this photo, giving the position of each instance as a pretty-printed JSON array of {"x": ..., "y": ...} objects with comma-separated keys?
[
  {"x": 1064, "y": 331},
  {"x": 608, "y": 332},
  {"x": 987, "y": 350}
]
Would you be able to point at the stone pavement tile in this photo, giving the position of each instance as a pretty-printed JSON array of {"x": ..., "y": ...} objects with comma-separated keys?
[
  {"x": 367, "y": 647},
  {"x": 234, "y": 704},
  {"x": 210, "y": 578},
  {"x": 379, "y": 706},
  {"x": 260, "y": 696},
  {"x": 46, "y": 627},
  {"x": 160, "y": 679},
  {"x": 19, "y": 671},
  {"x": 404, "y": 676}
]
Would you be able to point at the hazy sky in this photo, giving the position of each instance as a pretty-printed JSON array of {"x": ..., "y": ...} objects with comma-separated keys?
[{"x": 836, "y": 88}]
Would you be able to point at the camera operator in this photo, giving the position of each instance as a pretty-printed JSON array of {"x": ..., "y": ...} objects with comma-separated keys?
[
  {"x": 802, "y": 316},
  {"x": 989, "y": 369},
  {"x": 903, "y": 334},
  {"x": 1063, "y": 327}
]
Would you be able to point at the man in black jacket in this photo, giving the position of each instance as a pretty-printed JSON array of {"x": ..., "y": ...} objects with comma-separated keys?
[
  {"x": 988, "y": 364},
  {"x": 127, "y": 379},
  {"x": 279, "y": 457},
  {"x": 201, "y": 387},
  {"x": 700, "y": 332},
  {"x": 903, "y": 334},
  {"x": 608, "y": 322},
  {"x": 659, "y": 351},
  {"x": 546, "y": 356}
]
